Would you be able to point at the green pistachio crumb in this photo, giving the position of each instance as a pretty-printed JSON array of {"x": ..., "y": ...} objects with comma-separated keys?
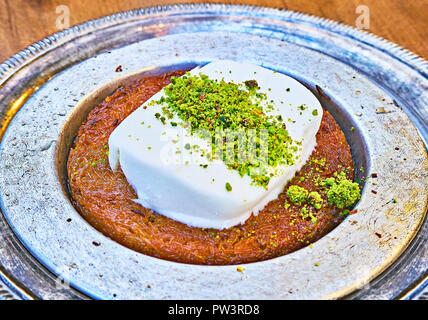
[
  {"x": 297, "y": 195},
  {"x": 228, "y": 187},
  {"x": 330, "y": 181},
  {"x": 344, "y": 194},
  {"x": 345, "y": 212},
  {"x": 315, "y": 199}
]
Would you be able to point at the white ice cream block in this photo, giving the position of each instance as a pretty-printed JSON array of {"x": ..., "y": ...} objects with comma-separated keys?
[{"x": 171, "y": 181}]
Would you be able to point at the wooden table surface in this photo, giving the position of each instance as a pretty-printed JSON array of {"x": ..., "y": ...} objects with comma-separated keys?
[{"x": 23, "y": 22}]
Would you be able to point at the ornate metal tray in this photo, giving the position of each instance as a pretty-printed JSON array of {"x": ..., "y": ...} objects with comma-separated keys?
[{"x": 380, "y": 89}]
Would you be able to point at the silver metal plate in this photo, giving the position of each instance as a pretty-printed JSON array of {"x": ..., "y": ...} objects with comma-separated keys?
[{"x": 378, "y": 253}]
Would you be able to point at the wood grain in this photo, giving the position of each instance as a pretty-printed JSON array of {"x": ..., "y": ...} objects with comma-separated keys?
[{"x": 23, "y": 22}]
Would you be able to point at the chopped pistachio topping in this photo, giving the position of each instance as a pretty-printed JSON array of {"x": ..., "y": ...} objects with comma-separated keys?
[
  {"x": 228, "y": 187},
  {"x": 297, "y": 195},
  {"x": 209, "y": 104},
  {"x": 339, "y": 191},
  {"x": 315, "y": 199},
  {"x": 344, "y": 194},
  {"x": 329, "y": 181},
  {"x": 345, "y": 212}
]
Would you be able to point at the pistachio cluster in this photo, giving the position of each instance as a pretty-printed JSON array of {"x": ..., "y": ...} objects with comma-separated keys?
[
  {"x": 341, "y": 193},
  {"x": 299, "y": 195}
]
